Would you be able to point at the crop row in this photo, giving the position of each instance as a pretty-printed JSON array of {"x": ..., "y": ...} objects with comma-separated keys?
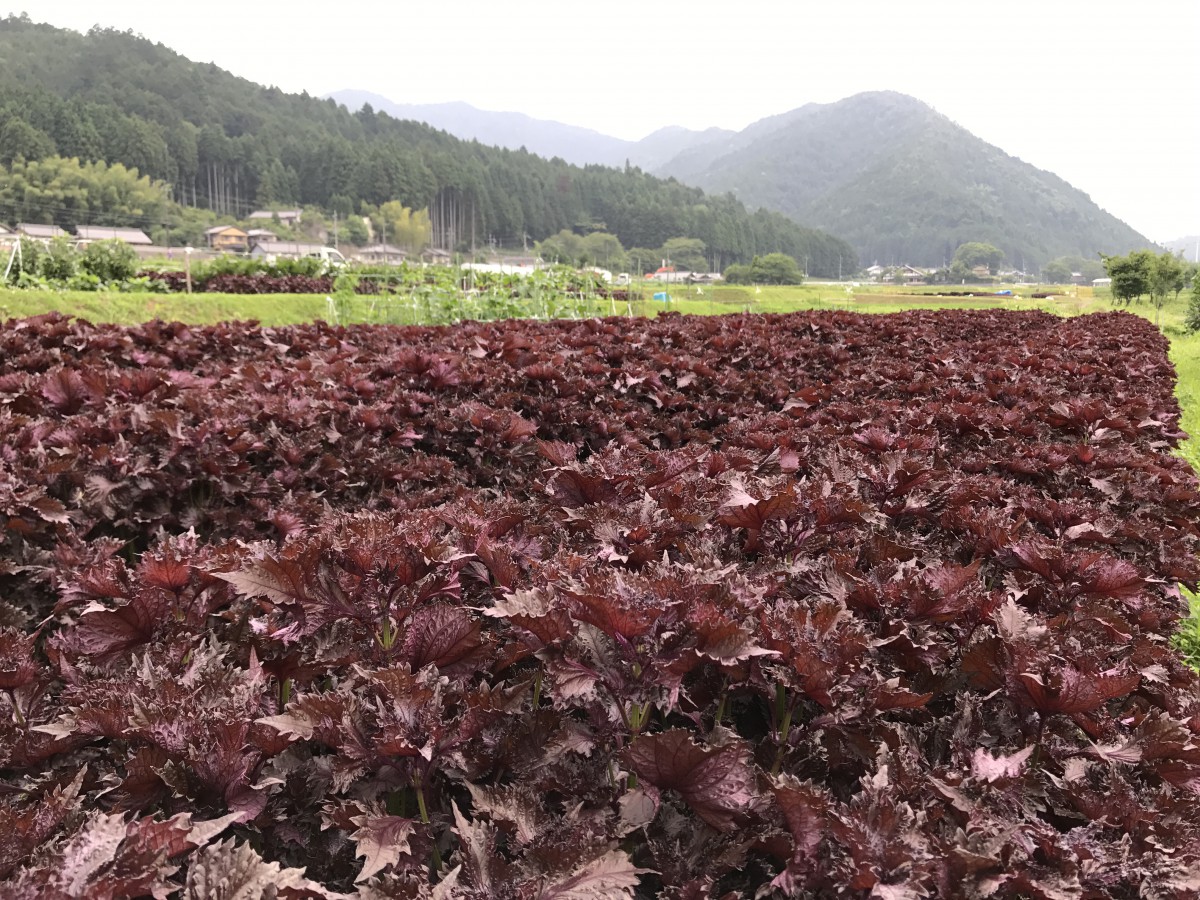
[
  {"x": 248, "y": 277},
  {"x": 822, "y": 604}
]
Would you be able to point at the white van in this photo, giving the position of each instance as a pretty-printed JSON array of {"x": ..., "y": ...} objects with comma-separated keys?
[{"x": 330, "y": 256}]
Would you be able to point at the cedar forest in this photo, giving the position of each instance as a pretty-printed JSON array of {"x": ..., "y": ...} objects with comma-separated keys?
[{"x": 228, "y": 146}]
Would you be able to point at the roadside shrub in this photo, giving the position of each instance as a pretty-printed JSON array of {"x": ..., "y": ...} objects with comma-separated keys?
[
  {"x": 247, "y": 266},
  {"x": 1191, "y": 319},
  {"x": 739, "y": 274},
  {"x": 83, "y": 281},
  {"x": 110, "y": 260},
  {"x": 32, "y": 281},
  {"x": 60, "y": 260},
  {"x": 143, "y": 283}
]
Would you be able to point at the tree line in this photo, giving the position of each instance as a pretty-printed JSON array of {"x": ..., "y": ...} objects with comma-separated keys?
[
  {"x": 225, "y": 145},
  {"x": 1146, "y": 273}
]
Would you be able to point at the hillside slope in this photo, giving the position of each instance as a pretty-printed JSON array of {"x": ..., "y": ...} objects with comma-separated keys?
[
  {"x": 227, "y": 144},
  {"x": 903, "y": 183}
]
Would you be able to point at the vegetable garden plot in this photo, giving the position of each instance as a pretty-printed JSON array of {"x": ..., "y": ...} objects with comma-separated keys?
[{"x": 821, "y": 604}]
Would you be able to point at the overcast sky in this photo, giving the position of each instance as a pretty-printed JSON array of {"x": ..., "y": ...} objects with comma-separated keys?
[{"x": 1102, "y": 93}]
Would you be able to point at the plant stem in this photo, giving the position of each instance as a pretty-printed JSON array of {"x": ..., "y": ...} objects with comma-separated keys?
[
  {"x": 435, "y": 864},
  {"x": 386, "y": 637},
  {"x": 785, "y": 726},
  {"x": 721, "y": 708}
]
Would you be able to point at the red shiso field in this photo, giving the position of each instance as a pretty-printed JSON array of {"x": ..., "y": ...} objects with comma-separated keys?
[{"x": 818, "y": 605}]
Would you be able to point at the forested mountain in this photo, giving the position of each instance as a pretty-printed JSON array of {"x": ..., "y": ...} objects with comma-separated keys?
[
  {"x": 224, "y": 143},
  {"x": 903, "y": 184},
  {"x": 883, "y": 170},
  {"x": 513, "y": 130}
]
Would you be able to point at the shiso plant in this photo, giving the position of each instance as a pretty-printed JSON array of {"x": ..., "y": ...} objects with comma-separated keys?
[{"x": 816, "y": 605}]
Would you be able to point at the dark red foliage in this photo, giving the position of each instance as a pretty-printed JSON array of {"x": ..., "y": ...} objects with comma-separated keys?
[{"x": 820, "y": 605}]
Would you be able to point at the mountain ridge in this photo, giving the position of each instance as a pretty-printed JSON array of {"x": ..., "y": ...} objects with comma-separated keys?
[
  {"x": 222, "y": 146},
  {"x": 904, "y": 183},
  {"x": 510, "y": 129},
  {"x": 899, "y": 180}
]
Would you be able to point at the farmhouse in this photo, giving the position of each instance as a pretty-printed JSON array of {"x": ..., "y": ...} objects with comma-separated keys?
[
  {"x": 669, "y": 275},
  {"x": 258, "y": 235},
  {"x": 41, "y": 232},
  {"x": 382, "y": 253},
  {"x": 521, "y": 262},
  {"x": 135, "y": 236},
  {"x": 285, "y": 216},
  {"x": 227, "y": 238},
  {"x": 286, "y": 250},
  {"x": 899, "y": 274}
]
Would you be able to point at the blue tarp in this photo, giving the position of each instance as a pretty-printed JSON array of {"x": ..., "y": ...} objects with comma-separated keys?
[{"x": 662, "y": 295}]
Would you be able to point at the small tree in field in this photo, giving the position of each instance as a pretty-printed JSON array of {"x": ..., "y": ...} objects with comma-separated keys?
[
  {"x": 1166, "y": 276},
  {"x": 776, "y": 268},
  {"x": 1191, "y": 319},
  {"x": 975, "y": 253},
  {"x": 739, "y": 273},
  {"x": 1132, "y": 275},
  {"x": 773, "y": 268},
  {"x": 110, "y": 260}
]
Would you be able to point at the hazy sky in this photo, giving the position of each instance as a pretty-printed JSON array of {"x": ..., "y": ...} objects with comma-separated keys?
[{"x": 1102, "y": 93}]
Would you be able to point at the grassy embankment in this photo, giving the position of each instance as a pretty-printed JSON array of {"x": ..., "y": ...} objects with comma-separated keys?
[
  {"x": 195, "y": 309},
  {"x": 287, "y": 309}
]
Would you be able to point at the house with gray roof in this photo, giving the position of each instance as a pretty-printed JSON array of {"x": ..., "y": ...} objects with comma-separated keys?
[
  {"x": 286, "y": 216},
  {"x": 382, "y": 253},
  {"x": 287, "y": 250},
  {"x": 41, "y": 232},
  {"x": 90, "y": 233}
]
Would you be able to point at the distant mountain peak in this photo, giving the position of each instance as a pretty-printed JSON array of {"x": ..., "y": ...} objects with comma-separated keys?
[
  {"x": 572, "y": 143},
  {"x": 902, "y": 182},
  {"x": 512, "y": 130}
]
